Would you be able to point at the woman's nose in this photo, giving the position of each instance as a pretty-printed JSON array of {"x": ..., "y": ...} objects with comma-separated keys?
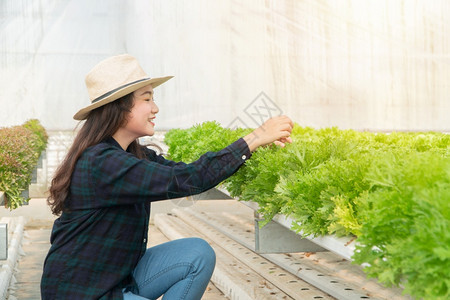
[{"x": 155, "y": 108}]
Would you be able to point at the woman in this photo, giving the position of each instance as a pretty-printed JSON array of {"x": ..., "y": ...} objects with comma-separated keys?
[{"x": 103, "y": 189}]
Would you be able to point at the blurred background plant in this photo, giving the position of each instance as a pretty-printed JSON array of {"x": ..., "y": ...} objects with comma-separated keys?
[{"x": 20, "y": 148}]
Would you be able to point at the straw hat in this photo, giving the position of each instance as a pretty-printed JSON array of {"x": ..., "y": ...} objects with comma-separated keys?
[{"x": 113, "y": 78}]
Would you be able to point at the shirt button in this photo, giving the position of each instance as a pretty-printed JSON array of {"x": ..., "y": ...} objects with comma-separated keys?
[
  {"x": 145, "y": 240},
  {"x": 244, "y": 157}
]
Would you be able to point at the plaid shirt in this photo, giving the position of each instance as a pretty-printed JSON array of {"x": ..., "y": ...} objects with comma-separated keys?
[{"x": 97, "y": 244}]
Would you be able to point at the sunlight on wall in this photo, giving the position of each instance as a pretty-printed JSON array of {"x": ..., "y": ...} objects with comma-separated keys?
[{"x": 363, "y": 64}]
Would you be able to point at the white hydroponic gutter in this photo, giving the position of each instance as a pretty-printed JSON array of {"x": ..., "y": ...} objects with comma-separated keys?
[{"x": 343, "y": 246}]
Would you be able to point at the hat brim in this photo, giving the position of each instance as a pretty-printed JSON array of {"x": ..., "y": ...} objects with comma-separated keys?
[{"x": 118, "y": 93}]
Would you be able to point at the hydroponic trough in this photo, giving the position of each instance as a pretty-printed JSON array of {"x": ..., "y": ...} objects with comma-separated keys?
[{"x": 343, "y": 246}]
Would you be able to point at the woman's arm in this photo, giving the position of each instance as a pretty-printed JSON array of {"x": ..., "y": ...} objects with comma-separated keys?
[
  {"x": 276, "y": 130},
  {"x": 108, "y": 176}
]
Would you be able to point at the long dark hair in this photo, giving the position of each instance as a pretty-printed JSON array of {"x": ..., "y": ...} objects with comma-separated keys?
[{"x": 100, "y": 124}]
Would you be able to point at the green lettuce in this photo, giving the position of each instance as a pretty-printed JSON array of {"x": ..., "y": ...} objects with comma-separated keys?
[{"x": 390, "y": 191}]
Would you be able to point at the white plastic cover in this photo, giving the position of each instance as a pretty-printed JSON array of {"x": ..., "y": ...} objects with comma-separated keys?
[{"x": 360, "y": 64}]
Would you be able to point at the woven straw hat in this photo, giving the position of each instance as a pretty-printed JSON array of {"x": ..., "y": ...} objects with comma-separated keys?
[{"x": 113, "y": 78}]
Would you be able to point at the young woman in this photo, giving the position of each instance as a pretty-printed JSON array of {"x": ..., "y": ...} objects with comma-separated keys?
[{"x": 103, "y": 189}]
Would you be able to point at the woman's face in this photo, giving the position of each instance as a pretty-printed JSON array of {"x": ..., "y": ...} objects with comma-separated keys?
[{"x": 141, "y": 120}]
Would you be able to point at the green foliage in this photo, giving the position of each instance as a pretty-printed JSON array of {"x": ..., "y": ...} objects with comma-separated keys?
[
  {"x": 189, "y": 144},
  {"x": 36, "y": 128},
  {"x": 405, "y": 235},
  {"x": 392, "y": 191},
  {"x": 20, "y": 147}
]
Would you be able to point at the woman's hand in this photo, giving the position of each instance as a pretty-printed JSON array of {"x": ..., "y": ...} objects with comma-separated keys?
[{"x": 276, "y": 130}]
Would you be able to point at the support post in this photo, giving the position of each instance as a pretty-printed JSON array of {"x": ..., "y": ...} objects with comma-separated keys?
[
  {"x": 3, "y": 241},
  {"x": 275, "y": 238}
]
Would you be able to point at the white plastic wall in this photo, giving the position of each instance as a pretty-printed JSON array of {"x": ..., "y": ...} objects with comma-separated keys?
[{"x": 362, "y": 64}]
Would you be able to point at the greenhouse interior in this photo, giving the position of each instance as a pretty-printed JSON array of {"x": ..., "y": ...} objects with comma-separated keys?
[{"x": 306, "y": 141}]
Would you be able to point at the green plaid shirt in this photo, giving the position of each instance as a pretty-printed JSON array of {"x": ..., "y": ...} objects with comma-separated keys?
[{"x": 97, "y": 244}]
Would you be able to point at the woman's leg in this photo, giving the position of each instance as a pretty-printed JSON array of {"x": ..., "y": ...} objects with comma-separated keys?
[{"x": 179, "y": 269}]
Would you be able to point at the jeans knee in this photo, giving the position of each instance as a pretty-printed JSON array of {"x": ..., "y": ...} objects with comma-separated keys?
[{"x": 205, "y": 253}]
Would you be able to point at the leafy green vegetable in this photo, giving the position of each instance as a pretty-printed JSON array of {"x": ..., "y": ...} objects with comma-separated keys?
[
  {"x": 405, "y": 236},
  {"x": 391, "y": 191}
]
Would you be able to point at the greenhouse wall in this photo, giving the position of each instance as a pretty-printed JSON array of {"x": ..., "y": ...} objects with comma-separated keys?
[{"x": 368, "y": 65}]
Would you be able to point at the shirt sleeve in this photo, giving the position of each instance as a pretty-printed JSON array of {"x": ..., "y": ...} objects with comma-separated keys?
[{"x": 121, "y": 178}]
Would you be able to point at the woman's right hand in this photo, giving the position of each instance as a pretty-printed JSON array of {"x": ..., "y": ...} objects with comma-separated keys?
[{"x": 276, "y": 130}]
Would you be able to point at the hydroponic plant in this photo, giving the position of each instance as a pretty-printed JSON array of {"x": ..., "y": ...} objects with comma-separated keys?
[{"x": 390, "y": 191}]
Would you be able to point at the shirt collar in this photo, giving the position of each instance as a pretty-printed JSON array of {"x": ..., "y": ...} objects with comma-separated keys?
[{"x": 110, "y": 140}]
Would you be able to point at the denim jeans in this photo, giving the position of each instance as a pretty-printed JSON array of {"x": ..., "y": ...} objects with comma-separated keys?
[{"x": 179, "y": 269}]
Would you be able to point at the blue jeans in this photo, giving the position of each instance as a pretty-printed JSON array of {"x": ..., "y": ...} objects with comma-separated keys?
[{"x": 179, "y": 269}]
